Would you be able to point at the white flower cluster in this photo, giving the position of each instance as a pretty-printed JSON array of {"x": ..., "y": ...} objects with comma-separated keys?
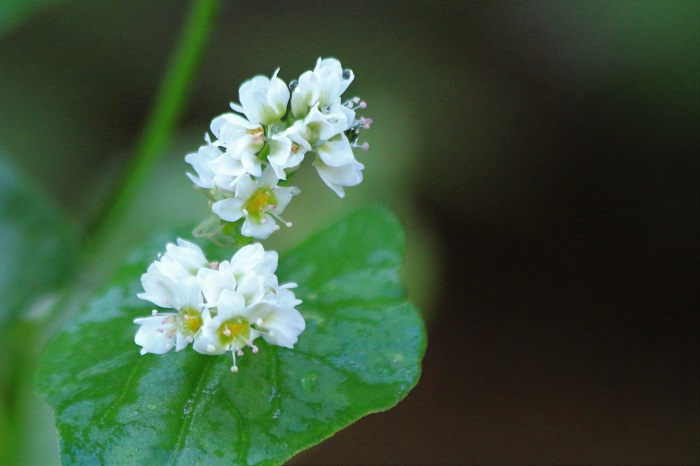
[
  {"x": 246, "y": 169},
  {"x": 218, "y": 307}
]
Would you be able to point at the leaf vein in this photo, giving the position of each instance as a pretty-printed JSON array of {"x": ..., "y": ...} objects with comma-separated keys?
[
  {"x": 190, "y": 410},
  {"x": 125, "y": 389}
]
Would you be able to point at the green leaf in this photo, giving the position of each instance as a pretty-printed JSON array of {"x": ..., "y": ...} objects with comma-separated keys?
[
  {"x": 359, "y": 354},
  {"x": 37, "y": 249}
]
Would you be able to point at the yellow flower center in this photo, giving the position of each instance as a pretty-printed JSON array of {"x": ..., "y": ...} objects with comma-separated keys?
[
  {"x": 191, "y": 320},
  {"x": 235, "y": 333},
  {"x": 259, "y": 203}
]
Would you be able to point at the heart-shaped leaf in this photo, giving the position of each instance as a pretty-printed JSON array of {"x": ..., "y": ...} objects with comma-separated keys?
[{"x": 359, "y": 354}]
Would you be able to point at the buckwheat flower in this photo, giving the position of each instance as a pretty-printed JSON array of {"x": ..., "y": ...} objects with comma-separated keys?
[
  {"x": 336, "y": 152},
  {"x": 319, "y": 126},
  {"x": 251, "y": 287},
  {"x": 333, "y": 78},
  {"x": 161, "y": 282},
  {"x": 276, "y": 318},
  {"x": 259, "y": 202},
  {"x": 238, "y": 134},
  {"x": 253, "y": 258},
  {"x": 338, "y": 177},
  {"x": 161, "y": 332},
  {"x": 263, "y": 100},
  {"x": 242, "y": 141},
  {"x": 214, "y": 339},
  {"x": 234, "y": 326},
  {"x": 321, "y": 87},
  {"x": 287, "y": 150},
  {"x": 200, "y": 161}
]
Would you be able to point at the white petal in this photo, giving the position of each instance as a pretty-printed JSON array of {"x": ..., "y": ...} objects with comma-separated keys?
[
  {"x": 337, "y": 152},
  {"x": 284, "y": 196},
  {"x": 158, "y": 288},
  {"x": 259, "y": 230},
  {"x": 156, "y": 335},
  {"x": 337, "y": 177},
  {"x": 228, "y": 209}
]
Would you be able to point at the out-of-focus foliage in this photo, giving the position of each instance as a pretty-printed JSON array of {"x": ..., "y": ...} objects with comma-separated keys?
[
  {"x": 13, "y": 12},
  {"x": 37, "y": 255}
]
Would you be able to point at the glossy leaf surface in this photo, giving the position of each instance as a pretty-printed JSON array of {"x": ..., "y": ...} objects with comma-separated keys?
[{"x": 359, "y": 354}]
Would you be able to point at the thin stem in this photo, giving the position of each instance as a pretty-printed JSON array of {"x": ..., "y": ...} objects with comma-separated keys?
[{"x": 168, "y": 106}]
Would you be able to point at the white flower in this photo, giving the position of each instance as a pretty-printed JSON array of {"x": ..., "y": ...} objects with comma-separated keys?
[
  {"x": 242, "y": 140},
  {"x": 238, "y": 134},
  {"x": 321, "y": 87},
  {"x": 338, "y": 177},
  {"x": 162, "y": 281},
  {"x": 287, "y": 150},
  {"x": 263, "y": 100},
  {"x": 219, "y": 307},
  {"x": 161, "y": 332},
  {"x": 333, "y": 78},
  {"x": 229, "y": 330},
  {"x": 277, "y": 320},
  {"x": 157, "y": 334},
  {"x": 336, "y": 152},
  {"x": 319, "y": 126},
  {"x": 200, "y": 161},
  {"x": 260, "y": 202}
]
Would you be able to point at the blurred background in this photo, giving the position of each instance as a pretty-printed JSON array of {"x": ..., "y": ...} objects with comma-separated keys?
[{"x": 543, "y": 157}]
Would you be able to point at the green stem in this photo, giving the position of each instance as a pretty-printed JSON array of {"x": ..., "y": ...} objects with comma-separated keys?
[{"x": 162, "y": 121}]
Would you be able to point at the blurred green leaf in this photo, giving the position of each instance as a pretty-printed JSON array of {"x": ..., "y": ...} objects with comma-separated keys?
[
  {"x": 38, "y": 251},
  {"x": 13, "y": 12},
  {"x": 359, "y": 354},
  {"x": 38, "y": 254}
]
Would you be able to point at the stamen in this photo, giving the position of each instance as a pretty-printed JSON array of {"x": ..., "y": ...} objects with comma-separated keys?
[
  {"x": 240, "y": 352},
  {"x": 364, "y": 146},
  {"x": 363, "y": 104},
  {"x": 286, "y": 223},
  {"x": 259, "y": 322},
  {"x": 154, "y": 312},
  {"x": 234, "y": 368},
  {"x": 210, "y": 348},
  {"x": 168, "y": 347},
  {"x": 227, "y": 332},
  {"x": 245, "y": 211}
]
